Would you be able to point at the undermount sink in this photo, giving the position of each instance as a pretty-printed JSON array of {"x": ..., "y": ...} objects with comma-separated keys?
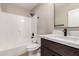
[
  {"x": 68, "y": 38},
  {"x": 72, "y": 38}
]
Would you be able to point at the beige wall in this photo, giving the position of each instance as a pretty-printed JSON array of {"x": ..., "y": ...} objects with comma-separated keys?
[
  {"x": 0, "y": 8},
  {"x": 61, "y": 13},
  {"x": 46, "y": 21},
  {"x": 14, "y": 9}
]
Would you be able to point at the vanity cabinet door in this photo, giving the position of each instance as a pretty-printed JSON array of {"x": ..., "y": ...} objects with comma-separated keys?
[
  {"x": 60, "y": 49},
  {"x": 45, "y": 51}
]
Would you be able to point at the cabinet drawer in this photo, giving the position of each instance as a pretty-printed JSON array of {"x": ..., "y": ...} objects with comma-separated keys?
[{"x": 60, "y": 48}]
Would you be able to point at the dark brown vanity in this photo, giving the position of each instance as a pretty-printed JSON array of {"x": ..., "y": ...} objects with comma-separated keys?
[{"x": 51, "y": 48}]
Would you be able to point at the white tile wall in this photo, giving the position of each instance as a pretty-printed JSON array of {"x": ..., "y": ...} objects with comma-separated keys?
[{"x": 14, "y": 31}]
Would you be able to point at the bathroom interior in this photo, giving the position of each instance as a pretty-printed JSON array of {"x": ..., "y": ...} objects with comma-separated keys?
[{"x": 39, "y": 29}]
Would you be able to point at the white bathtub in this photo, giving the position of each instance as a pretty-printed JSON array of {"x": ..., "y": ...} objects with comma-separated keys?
[
  {"x": 12, "y": 50},
  {"x": 17, "y": 48}
]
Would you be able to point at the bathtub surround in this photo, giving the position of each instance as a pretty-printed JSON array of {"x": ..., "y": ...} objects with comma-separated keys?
[{"x": 14, "y": 33}]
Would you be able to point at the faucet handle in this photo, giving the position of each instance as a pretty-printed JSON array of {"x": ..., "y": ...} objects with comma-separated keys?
[{"x": 32, "y": 35}]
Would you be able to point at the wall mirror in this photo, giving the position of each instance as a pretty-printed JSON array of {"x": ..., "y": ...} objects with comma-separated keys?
[{"x": 66, "y": 15}]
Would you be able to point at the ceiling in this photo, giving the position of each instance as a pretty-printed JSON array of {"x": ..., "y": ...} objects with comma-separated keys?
[
  {"x": 28, "y": 6},
  {"x": 31, "y": 6}
]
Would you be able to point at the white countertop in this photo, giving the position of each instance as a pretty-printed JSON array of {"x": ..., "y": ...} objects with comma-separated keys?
[{"x": 51, "y": 37}]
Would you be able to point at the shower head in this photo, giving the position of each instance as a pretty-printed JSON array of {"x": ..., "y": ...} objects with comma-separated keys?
[{"x": 32, "y": 14}]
